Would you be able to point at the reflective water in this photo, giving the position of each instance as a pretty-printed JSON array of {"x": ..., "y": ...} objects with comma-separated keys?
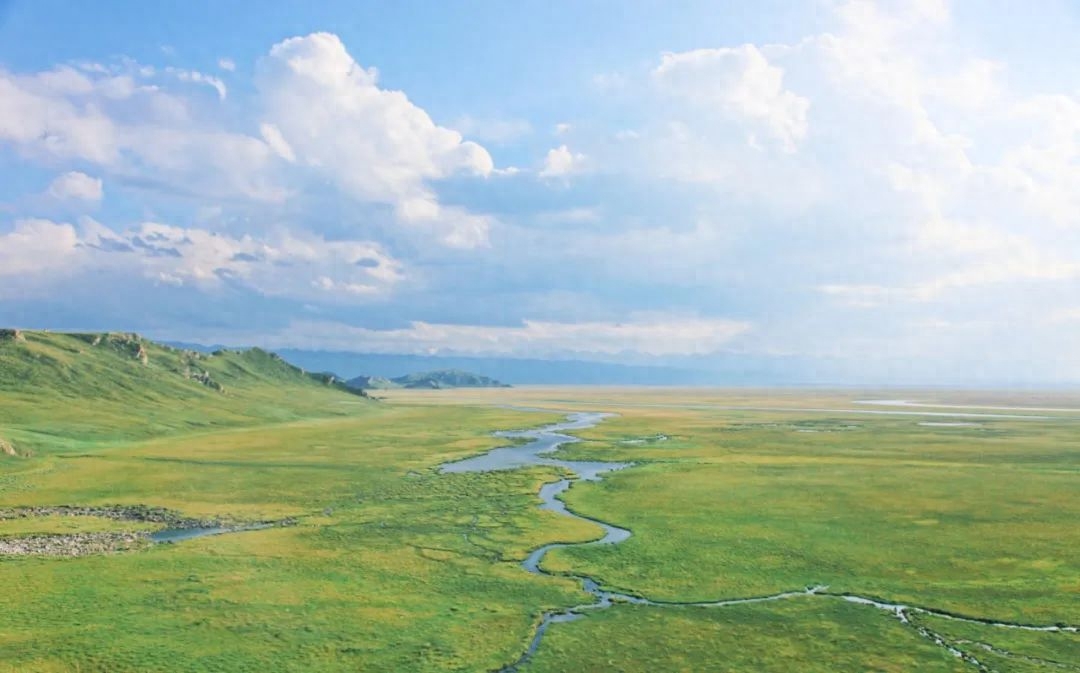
[{"x": 180, "y": 534}]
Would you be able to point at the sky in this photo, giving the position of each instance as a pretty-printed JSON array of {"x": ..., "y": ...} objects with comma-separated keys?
[{"x": 865, "y": 191}]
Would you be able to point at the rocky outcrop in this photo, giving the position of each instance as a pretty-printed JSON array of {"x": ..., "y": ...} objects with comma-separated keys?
[
  {"x": 125, "y": 342},
  {"x": 141, "y": 513},
  {"x": 84, "y": 544},
  {"x": 76, "y": 544},
  {"x": 202, "y": 376},
  {"x": 326, "y": 378},
  {"x": 12, "y": 335}
]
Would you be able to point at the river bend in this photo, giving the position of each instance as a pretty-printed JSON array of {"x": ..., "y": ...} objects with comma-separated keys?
[{"x": 537, "y": 450}]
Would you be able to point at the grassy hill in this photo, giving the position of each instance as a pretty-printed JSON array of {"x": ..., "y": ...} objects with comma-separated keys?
[
  {"x": 66, "y": 391},
  {"x": 442, "y": 378}
]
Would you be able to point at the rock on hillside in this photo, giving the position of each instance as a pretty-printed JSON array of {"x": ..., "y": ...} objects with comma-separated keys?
[
  {"x": 7, "y": 448},
  {"x": 11, "y": 335}
]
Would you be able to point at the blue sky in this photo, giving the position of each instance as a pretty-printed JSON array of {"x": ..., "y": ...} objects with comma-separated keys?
[{"x": 879, "y": 191}]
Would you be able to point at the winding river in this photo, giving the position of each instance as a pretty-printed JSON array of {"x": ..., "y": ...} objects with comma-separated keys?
[{"x": 536, "y": 450}]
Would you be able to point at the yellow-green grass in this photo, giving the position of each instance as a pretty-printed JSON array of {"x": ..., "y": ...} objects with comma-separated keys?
[
  {"x": 394, "y": 566},
  {"x": 976, "y": 521},
  {"x": 1050, "y": 648},
  {"x": 70, "y": 392},
  {"x": 57, "y": 524},
  {"x": 391, "y": 567},
  {"x": 806, "y": 635}
]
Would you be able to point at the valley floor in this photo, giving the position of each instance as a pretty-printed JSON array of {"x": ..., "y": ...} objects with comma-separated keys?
[{"x": 393, "y": 565}]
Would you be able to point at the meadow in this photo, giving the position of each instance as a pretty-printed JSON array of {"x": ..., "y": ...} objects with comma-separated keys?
[
  {"x": 394, "y": 566},
  {"x": 749, "y": 493}
]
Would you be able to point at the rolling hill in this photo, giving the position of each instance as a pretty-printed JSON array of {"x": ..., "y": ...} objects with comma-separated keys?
[{"x": 64, "y": 390}]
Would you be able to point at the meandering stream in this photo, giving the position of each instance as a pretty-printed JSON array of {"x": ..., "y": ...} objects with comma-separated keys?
[{"x": 546, "y": 440}]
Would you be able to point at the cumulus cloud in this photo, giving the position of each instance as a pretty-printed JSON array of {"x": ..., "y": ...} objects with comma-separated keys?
[
  {"x": 374, "y": 143},
  {"x": 130, "y": 129},
  {"x": 887, "y": 117},
  {"x": 866, "y": 188},
  {"x": 318, "y": 110},
  {"x": 42, "y": 253},
  {"x": 561, "y": 162},
  {"x": 37, "y": 117},
  {"x": 741, "y": 83},
  {"x": 77, "y": 186},
  {"x": 37, "y": 247}
]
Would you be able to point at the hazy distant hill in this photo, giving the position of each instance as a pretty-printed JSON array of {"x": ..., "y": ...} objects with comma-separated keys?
[
  {"x": 443, "y": 378},
  {"x": 515, "y": 371},
  {"x": 101, "y": 385},
  {"x": 371, "y": 383}
]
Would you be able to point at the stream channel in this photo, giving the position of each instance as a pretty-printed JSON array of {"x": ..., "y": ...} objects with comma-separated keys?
[{"x": 546, "y": 440}]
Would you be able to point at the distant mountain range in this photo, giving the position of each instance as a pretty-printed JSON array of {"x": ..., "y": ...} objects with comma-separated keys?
[
  {"x": 728, "y": 369},
  {"x": 515, "y": 371},
  {"x": 442, "y": 378}
]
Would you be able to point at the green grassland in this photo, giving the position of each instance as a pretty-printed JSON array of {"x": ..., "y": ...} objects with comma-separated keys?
[
  {"x": 394, "y": 566},
  {"x": 810, "y": 636},
  {"x": 974, "y": 520},
  {"x": 1029, "y": 650}
]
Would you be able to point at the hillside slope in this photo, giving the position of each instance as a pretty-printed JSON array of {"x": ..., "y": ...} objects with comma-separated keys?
[{"x": 62, "y": 391}]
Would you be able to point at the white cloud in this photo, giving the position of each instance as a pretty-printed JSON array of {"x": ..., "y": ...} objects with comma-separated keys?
[
  {"x": 197, "y": 77},
  {"x": 888, "y": 117},
  {"x": 41, "y": 253},
  {"x": 741, "y": 83},
  {"x": 320, "y": 111},
  {"x": 36, "y": 247},
  {"x": 39, "y": 119},
  {"x": 227, "y": 64},
  {"x": 561, "y": 162},
  {"x": 277, "y": 142},
  {"x": 374, "y": 143},
  {"x": 657, "y": 336},
  {"x": 78, "y": 186},
  {"x": 66, "y": 115}
]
